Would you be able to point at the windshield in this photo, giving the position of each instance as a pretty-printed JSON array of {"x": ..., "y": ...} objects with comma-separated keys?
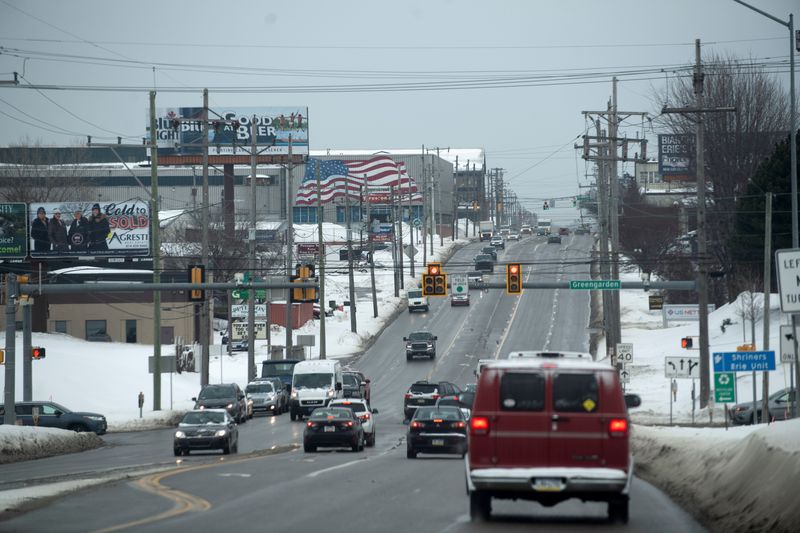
[
  {"x": 216, "y": 393},
  {"x": 420, "y": 336},
  {"x": 259, "y": 388},
  {"x": 277, "y": 369},
  {"x": 203, "y": 417},
  {"x": 351, "y": 380},
  {"x": 312, "y": 381},
  {"x": 415, "y": 294}
]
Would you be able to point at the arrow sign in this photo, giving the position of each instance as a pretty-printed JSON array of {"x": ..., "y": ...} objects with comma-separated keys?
[
  {"x": 787, "y": 344},
  {"x": 682, "y": 367}
]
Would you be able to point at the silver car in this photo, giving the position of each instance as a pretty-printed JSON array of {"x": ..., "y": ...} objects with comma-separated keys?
[{"x": 264, "y": 396}]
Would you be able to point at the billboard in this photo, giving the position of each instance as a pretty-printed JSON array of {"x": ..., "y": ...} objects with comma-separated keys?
[
  {"x": 676, "y": 156},
  {"x": 94, "y": 229},
  {"x": 229, "y": 130},
  {"x": 13, "y": 230}
]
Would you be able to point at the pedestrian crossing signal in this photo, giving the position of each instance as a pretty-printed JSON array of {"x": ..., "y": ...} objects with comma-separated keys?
[
  {"x": 197, "y": 275},
  {"x": 513, "y": 278},
  {"x": 686, "y": 343},
  {"x": 37, "y": 352}
]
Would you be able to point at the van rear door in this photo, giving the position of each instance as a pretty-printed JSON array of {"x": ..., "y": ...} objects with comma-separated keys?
[
  {"x": 522, "y": 426},
  {"x": 577, "y": 430}
]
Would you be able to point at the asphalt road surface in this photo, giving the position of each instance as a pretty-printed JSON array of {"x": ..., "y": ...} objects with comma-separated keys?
[{"x": 272, "y": 485}]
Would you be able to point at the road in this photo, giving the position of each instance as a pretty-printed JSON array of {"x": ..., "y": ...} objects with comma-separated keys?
[{"x": 376, "y": 490}]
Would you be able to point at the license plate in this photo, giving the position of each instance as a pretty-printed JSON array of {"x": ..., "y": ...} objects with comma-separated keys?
[
  {"x": 437, "y": 442},
  {"x": 330, "y": 429},
  {"x": 548, "y": 485},
  {"x": 420, "y": 401}
]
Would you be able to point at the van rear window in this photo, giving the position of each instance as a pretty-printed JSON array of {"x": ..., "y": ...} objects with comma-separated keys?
[
  {"x": 522, "y": 392},
  {"x": 575, "y": 393}
]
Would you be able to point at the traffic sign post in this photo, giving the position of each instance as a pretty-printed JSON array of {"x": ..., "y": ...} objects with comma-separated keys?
[
  {"x": 625, "y": 352},
  {"x": 682, "y": 367},
  {"x": 787, "y": 262},
  {"x": 725, "y": 387},
  {"x": 787, "y": 344}
]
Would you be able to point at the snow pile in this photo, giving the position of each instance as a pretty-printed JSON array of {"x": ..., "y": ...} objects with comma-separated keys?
[
  {"x": 19, "y": 443},
  {"x": 740, "y": 480}
]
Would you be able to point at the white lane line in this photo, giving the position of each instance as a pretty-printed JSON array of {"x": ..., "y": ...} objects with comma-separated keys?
[
  {"x": 559, "y": 277},
  {"x": 502, "y": 342},
  {"x": 350, "y": 463}
]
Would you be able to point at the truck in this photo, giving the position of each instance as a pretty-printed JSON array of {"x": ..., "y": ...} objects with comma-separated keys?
[
  {"x": 279, "y": 368},
  {"x": 486, "y": 228},
  {"x": 543, "y": 226}
]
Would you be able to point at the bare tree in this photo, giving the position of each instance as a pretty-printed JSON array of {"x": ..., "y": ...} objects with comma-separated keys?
[
  {"x": 735, "y": 142},
  {"x": 32, "y": 173}
]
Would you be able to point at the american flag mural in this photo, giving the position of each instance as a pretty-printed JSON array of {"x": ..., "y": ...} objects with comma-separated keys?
[{"x": 338, "y": 177}]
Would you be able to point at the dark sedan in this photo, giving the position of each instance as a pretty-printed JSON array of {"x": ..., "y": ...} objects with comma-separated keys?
[
  {"x": 779, "y": 405},
  {"x": 333, "y": 427},
  {"x": 53, "y": 415},
  {"x": 437, "y": 430},
  {"x": 206, "y": 429}
]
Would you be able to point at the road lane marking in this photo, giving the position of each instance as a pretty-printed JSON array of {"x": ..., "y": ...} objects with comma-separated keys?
[{"x": 502, "y": 342}]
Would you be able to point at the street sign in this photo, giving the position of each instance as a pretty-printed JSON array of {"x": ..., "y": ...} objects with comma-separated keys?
[
  {"x": 410, "y": 251},
  {"x": 459, "y": 284},
  {"x": 788, "y": 264},
  {"x": 308, "y": 248},
  {"x": 682, "y": 367},
  {"x": 417, "y": 222},
  {"x": 240, "y": 310},
  {"x": 625, "y": 375},
  {"x": 787, "y": 344},
  {"x": 239, "y": 330},
  {"x": 724, "y": 387},
  {"x": 625, "y": 353},
  {"x": 596, "y": 284},
  {"x": 306, "y": 340},
  {"x": 167, "y": 364},
  {"x": 744, "y": 361},
  {"x": 656, "y": 303}
]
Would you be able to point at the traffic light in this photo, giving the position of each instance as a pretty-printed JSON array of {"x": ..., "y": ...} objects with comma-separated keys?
[
  {"x": 434, "y": 283},
  {"x": 2, "y": 357},
  {"x": 440, "y": 285},
  {"x": 37, "y": 352},
  {"x": 513, "y": 278},
  {"x": 197, "y": 274},
  {"x": 545, "y": 206},
  {"x": 434, "y": 269},
  {"x": 427, "y": 285},
  {"x": 686, "y": 343}
]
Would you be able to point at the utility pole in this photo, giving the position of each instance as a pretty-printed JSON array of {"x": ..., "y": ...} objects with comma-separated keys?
[
  {"x": 10, "y": 375},
  {"x": 353, "y": 325},
  {"x": 411, "y": 218},
  {"x": 399, "y": 208},
  {"x": 614, "y": 184},
  {"x": 371, "y": 256},
  {"x": 204, "y": 377},
  {"x": 156, "y": 254},
  {"x": 321, "y": 243},
  {"x": 424, "y": 228},
  {"x": 432, "y": 218},
  {"x": 289, "y": 247},
  {"x": 767, "y": 291},
  {"x": 251, "y": 295},
  {"x": 393, "y": 212}
]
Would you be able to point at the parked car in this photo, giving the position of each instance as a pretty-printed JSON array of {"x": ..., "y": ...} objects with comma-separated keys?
[
  {"x": 206, "y": 429},
  {"x": 333, "y": 427},
  {"x": 424, "y": 394},
  {"x": 554, "y": 239},
  {"x": 420, "y": 343},
  {"x": 437, "y": 430},
  {"x": 264, "y": 397},
  {"x": 240, "y": 346},
  {"x": 779, "y": 406},
  {"x": 498, "y": 242},
  {"x": 549, "y": 429},
  {"x": 223, "y": 396},
  {"x": 54, "y": 415},
  {"x": 459, "y": 299},
  {"x": 490, "y": 250},
  {"x": 362, "y": 410}
]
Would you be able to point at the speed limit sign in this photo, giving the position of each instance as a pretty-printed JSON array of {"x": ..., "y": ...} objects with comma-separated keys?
[{"x": 625, "y": 353}]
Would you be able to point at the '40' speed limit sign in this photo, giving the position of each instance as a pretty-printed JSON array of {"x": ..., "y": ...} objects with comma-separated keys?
[{"x": 625, "y": 352}]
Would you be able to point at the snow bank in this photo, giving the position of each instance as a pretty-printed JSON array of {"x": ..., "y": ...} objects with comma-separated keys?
[
  {"x": 19, "y": 443},
  {"x": 739, "y": 480}
]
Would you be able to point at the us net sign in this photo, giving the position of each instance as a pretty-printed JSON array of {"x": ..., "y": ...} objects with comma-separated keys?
[{"x": 788, "y": 265}]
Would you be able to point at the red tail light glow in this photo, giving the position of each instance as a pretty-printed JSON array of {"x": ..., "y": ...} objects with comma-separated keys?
[
  {"x": 416, "y": 424},
  {"x": 479, "y": 425},
  {"x": 349, "y": 423},
  {"x": 459, "y": 424},
  {"x": 435, "y": 396},
  {"x": 437, "y": 420},
  {"x": 618, "y": 427},
  {"x": 408, "y": 395},
  {"x": 365, "y": 416},
  {"x": 311, "y": 424}
]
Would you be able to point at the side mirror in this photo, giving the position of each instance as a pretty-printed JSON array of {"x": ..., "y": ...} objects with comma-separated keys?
[
  {"x": 338, "y": 386},
  {"x": 405, "y": 339},
  {"x": 375, "y": 411},
  {"x": 435, "y": 338},
  {"x": 363, "y": 383},
  {"x": 194, "y": 399},
  {"x": 368, "y": 380},
  {"x": 633, "y": 400}
]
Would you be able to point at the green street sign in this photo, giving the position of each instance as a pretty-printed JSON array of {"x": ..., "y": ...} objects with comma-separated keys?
[
  {"x": 596, "y": 284},
  {"x": 724, "y": 387},
  {"x": 241, "y": 294}
]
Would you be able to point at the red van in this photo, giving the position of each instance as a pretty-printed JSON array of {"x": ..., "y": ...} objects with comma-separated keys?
[{"x": 550, "y": 428}]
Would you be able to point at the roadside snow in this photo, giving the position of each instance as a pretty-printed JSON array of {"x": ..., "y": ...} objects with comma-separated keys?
[{"x": 19, "y": 443}]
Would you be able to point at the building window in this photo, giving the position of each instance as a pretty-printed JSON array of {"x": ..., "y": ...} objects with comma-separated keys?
[
  {"x": 130, "y": 331},
  {"x": 304, "y": 215},
  {"x": 355, "y": 213},
  {"x": 60, "y": 326},
  {"x": 167, "y": 335},
  {"x": 96, "y": 331}
]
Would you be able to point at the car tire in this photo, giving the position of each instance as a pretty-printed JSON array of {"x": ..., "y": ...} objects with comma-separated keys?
[
  {"x": 409, "y": 357},
  {"x": 410, "y": 453},
  {"x": 356, "y": 447},
  {"x": 371, "y": 440},
  {"x": 480, "y": 506},
  {"x": 226, "y": 450},
  {"x": 426, "y": 308},
  {"x": 79, "y": 428},
  {"x": 618, "y": 511},
  {"x": 293, "y": 416},
  {"x": 177, "y": 452},
  {"x": 186, "y": 452},
  {"x": 309, "y": 448}
]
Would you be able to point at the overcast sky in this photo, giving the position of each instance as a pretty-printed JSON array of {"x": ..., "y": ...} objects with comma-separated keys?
[{"x": 537, "y": 66}]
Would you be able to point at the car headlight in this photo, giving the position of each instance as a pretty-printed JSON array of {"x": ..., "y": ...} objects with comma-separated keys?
[
  {"x": 220, "y": 433},
  {"x": 180, "y": 435},
  {"x": 96, "y": 418},
  {"x": 229, "y": 406},
  {"x": 408, "y": 346}
]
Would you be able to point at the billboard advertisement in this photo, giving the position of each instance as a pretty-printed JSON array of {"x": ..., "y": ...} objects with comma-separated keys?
[
  {"x": 13, "y": 230},
  {"x": 676, "y": 155},
  {"x": 229, "y": 130},
  {"x": 94, "y": 229}
]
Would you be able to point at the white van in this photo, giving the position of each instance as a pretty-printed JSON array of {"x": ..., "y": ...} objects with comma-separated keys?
[
  {"x": 314, "y": 384},
  {"x": 416, "y": 301}
]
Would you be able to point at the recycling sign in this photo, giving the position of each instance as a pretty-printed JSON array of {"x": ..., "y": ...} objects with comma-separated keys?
[
  {"x": 459, "y": 284},
  {"x": 724, "y": 387}
]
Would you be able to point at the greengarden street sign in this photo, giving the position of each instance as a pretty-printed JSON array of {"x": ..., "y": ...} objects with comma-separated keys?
[{"x": 596, "y": 284}]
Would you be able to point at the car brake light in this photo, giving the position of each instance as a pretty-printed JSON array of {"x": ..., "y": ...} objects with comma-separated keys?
[
  {"x": 437, "y": 420},
  {"x": 480, "y": 425},
  {"x": 310, "y": 424},
  {"x": 435, "y": 396},
  {"x": 416, "y": 424},
  {"x": 618, "y": 427},
  {"x": 365, "y": 416},
  {"x": 408, "y": 395},
  {"x": 349, "y": 423},
  {"x": 459, "y": 424}
]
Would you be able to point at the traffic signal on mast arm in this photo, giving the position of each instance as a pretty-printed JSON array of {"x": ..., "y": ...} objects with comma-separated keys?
[
  {"x": 37, "y": 352},
  {"x": 434, "y": 283},
  {"x": 686, "y": 343},
  {"x": 513, "y": 278},
  {"x": 197, "y": 275}
]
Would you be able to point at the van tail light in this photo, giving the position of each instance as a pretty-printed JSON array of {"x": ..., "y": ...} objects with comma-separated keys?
[
  {"x": 618, "y": 427},
  {"x": 479, "y": 425}
]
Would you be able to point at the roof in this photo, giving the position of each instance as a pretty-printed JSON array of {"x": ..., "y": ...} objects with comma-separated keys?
[{"x": 568, "y": 364}]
